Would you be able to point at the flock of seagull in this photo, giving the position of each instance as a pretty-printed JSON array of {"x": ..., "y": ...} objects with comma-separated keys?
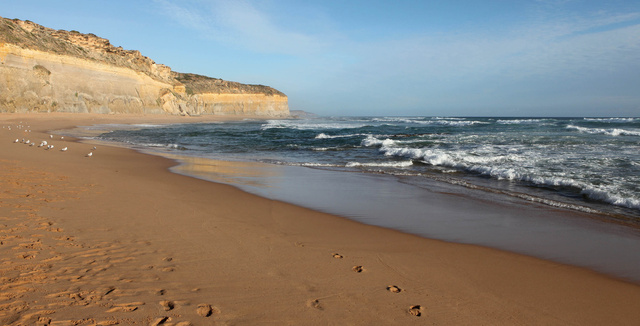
[{"x": 43, "y": 143}]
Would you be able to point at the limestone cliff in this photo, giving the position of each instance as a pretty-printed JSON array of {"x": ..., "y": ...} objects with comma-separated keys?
[{"x": 46, "y": 70}]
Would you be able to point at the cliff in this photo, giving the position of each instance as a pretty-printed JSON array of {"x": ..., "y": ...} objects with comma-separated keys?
[{"x": 47, "y": 70}]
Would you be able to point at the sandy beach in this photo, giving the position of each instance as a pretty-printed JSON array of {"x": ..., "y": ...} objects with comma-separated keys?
[{"x": 116, "y": 238}]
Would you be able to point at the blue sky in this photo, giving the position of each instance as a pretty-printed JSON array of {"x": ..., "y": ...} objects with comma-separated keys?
[{"x": 443, "y": 58}]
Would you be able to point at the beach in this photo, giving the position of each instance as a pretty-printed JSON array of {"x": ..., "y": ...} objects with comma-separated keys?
[{"x": 116, "y": 238}]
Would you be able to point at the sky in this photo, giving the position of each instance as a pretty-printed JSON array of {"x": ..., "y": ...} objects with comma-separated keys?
[{"x": 386, "y": 58}]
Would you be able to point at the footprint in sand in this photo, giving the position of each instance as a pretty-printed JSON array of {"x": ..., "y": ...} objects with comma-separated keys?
[
  {"x": 206, "y": 310},
  {"x": 358, "y": 269},
  {"x": 394, "y": 289},
  {"x": 160, "y": 321},
  {"x": 415, "y": 310},
  {"x": 167, "y": 305},
  {"x": 108, "y": 290},
  {"x": 125, "y": 307}
]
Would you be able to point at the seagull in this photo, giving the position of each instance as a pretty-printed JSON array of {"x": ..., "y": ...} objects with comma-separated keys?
[
  {"x": 64, "y": 149},
  {"x": 32, "y": 144},
  {"x": 90, "y": 154},
  {"x": 27, "y": 142},
  {"x": 49, "y": 146},
  {"x": 94, "y": 148},
  {"x": 62, "y": 137},
  {"x": 17, "y": 140},
  {"x": 51, "y": 136}
]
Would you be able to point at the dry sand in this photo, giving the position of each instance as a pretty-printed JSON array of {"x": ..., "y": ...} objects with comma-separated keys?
[{"x": 117, "y": 239}]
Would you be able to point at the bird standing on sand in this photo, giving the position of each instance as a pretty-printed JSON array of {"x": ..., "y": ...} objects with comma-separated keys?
[
  {"x": 90, "y": 154},
  {"x": 17, "y": 140},
  {"x": 64, "y": 149}
]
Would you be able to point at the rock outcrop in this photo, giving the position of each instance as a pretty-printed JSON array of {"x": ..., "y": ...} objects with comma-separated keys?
[{"x": 47, "y": 70}]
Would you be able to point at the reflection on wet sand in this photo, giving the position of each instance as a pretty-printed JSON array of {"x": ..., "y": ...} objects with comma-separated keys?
[{"x": 235, "y": 173}]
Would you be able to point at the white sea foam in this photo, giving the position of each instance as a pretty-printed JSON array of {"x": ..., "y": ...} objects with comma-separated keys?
[
  {"x": 373, "y": 141},
  {"x": 325, "y": 136},
  {"x": 457, "y": 122},
  {"x": 403, "y": 120},
  {"x": 402, "y": 164},
  {"x": 503, "y": 164},
  {"x": 324, "y": 149},
  {"x": 172, "y": 146},
  {"x": 609, "y": 132},
  {"x": 303, "y": 164},
  {"x": 448, "y": 118},
  {"x": 309, "y": 125},
  {"x": 607, "y": 196},
  {"x": 618, "y": 120},
  {"x": 521, "y": 121},
  {"x": 326, "y": 165}
]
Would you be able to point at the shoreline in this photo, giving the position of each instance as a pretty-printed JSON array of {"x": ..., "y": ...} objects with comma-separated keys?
[
  {"x": 437, "y": 211},
  {"x": 152, "y": 236},
  {"x": 425, "y": 207}
]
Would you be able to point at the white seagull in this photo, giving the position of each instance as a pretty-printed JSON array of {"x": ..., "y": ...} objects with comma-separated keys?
[
  {"x": 90, "y": 154},
  {"x": 17, "y": 140},
  {"x": 63, "y": 149}
]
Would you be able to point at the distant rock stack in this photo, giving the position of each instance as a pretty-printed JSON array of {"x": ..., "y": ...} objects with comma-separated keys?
[{"x": 47, "y": 70}]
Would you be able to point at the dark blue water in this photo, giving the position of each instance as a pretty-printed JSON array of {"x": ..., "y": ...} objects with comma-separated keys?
[{"x": 586, "y": 164}]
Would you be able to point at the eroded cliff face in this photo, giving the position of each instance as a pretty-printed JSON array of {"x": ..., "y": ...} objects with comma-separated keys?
[{"x": 44, "y": 70}]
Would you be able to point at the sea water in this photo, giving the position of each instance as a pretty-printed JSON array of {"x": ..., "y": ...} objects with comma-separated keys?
[
  {"x": 528, "y": 185},
  {"x": 585, "y": 164}
]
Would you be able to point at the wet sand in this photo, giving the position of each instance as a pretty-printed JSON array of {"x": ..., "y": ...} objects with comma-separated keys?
[
  {"x": 116, "y": 238},
  {"x": 438, "y": 210}
]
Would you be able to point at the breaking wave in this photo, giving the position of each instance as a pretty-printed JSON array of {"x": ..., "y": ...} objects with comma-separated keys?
[{"x": 609, "y": 132}]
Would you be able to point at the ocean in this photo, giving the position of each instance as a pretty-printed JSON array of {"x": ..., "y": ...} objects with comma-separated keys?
[
  {"x": 584, "y": 164},
  {"x": 563, "y": 189}
]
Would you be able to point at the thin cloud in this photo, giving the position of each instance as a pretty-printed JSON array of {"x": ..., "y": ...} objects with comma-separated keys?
[
  {"x": 540, "y": 49},
  {"x": 241, "y": 24},
  {"x": 188, "y": 17}
]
